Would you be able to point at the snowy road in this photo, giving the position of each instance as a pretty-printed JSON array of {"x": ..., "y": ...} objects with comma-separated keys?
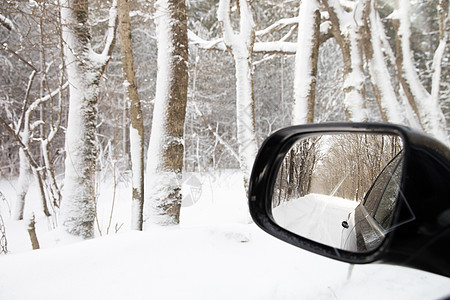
[{"x": 317, "y": 217}]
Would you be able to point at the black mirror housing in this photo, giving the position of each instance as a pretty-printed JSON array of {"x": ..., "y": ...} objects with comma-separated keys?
[{"x": 422, "y": 243}]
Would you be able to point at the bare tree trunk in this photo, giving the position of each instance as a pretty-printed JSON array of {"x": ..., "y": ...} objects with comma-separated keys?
[
  {"x": 245, "y": 117},
  {"x": 240, "y": 46},
  {"x": 346, "y": 28},
  {"x": 379, "y": 73},
  {"x": 137, "y": 122},
  {"x": 53, "y": 185},
  {"x": 166, "y": 149},
  {"x": 84, "y": 70},
  {"x": 22, "y": 185},
  {"x": 33, "y": 165},
  {"x": 399, "y": 60},
  {"x": 306, "y": 63},
  {"x": 28, "y": 166}
]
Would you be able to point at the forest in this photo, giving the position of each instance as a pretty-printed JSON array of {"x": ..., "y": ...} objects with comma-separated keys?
[{"x": 143, "y": 91}]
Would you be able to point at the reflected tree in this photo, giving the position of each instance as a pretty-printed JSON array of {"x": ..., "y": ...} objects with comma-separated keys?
[
  {"x": 296, "y": 171},
  {"x": 342, "y": 165}
]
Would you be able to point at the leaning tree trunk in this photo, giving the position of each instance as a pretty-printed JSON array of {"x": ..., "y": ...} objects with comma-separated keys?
[
  {"x": 379, "y": 74},
  {"x": 166, "y": 148}
]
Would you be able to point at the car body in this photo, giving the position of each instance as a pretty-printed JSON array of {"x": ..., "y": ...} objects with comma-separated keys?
[{"x": 371, "y": 220}]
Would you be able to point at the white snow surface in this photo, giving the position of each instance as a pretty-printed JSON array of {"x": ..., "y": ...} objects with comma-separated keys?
[
  {"x": 215, "y": 253},
  {"x": 316, "y": 217}
]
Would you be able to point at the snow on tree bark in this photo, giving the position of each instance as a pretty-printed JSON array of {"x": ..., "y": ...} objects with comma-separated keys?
[
  {"x": 306, "y": 63},
  {"x": 166, "y": 148},
  {"x": 28, "y": 166},
  {"x": 346, "y": 28},
  {"x": 6, "y": 22},
  {"x": 240, "y": 46},
  {"x": 137, "y": 124},
  {"x": 440, "y": 125},
  {"x": 379, "y": 73},
  {"x": 84, "y": 69},
  {"x": 426, "y": 107},
  {"x": 23, "y": 183}
]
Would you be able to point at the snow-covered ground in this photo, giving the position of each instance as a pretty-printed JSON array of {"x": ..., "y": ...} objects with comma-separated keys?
[
  {"x": 214, "y": 254},
  {"x": 317, "y": 217}
]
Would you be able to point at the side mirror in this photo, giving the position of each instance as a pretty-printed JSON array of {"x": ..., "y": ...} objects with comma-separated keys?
[{"x": 356, "y": 192}]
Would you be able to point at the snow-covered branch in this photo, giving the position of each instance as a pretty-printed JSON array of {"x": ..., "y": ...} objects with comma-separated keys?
[
  {"x": 25, "y": 102},
  {"x": 23, "y": 143},
  {"x": 259, "y": 47},
  {"x": 103, "y": 58},
  {"x": 216, "y": 44},
  {"x": 275, "y": 47},
  {"x": 112, "y": 26},
  {"x": 47, "y": 97},
  {"x": 6, "y": 22},
  {"x": 277, "y": 26},
  {"x": 281, "y": 46}
]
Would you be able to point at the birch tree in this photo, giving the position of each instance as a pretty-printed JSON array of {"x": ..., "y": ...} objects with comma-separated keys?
[
  {"x": 240, "y": 45},
  {"x": 166, "y": 148},
  {"x": 137, "y": 122},
  {"x": 84, "y": 70}
]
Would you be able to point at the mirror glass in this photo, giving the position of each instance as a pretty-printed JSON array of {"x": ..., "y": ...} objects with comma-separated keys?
[{"x": 340, "y": 190}]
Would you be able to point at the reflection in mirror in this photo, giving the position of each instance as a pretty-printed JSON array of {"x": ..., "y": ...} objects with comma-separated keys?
[{"x": 340, "y": 190}]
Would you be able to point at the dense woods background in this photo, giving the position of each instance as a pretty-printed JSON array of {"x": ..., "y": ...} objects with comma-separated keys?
[{"x": 35, "y": 84}]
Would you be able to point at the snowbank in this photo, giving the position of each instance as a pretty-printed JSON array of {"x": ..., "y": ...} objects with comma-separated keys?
[{"x": 213, "y": 254}]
